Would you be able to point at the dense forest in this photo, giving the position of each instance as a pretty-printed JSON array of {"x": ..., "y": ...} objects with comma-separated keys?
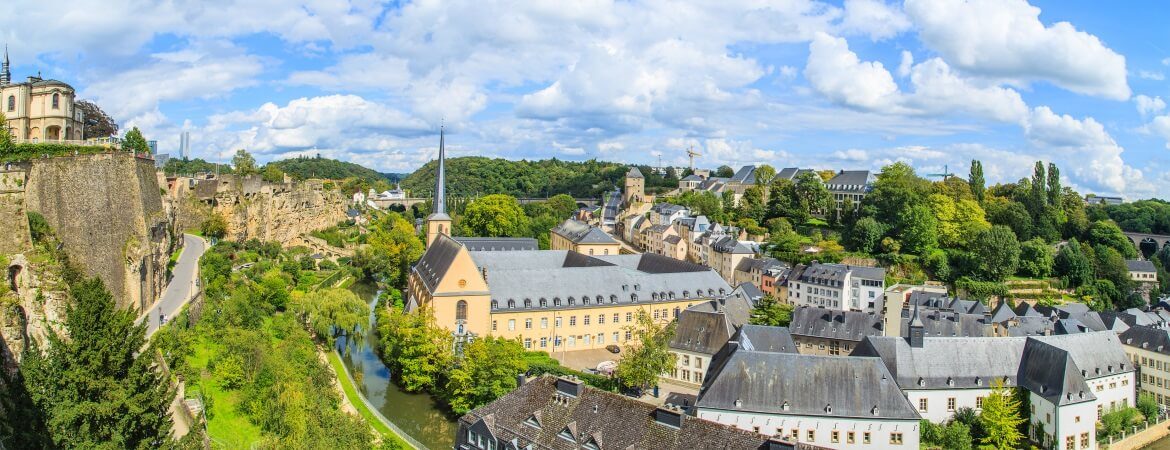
[
  {"x": 305, "y": 167},
  {"x": 474, "y": 175}
]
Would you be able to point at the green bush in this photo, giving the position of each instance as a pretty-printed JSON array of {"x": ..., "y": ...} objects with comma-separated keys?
[
  {"x": 27, "y": 151},
  {"x": 38, "y": 226}
]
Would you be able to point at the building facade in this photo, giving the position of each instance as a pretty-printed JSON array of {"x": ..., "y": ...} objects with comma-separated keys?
[
  {"x": 838, "y": 286},
  {"x": 583, "y": 238},
  {"x": 39, "y": 110}
]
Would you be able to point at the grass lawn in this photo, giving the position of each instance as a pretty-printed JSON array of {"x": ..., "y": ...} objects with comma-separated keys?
[
  {"x": 225, "y": 425},
  {"x": 354, "y": 399}
]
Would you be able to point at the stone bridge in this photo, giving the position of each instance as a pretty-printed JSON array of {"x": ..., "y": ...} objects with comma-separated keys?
[{"x": 1159, "y": 240}]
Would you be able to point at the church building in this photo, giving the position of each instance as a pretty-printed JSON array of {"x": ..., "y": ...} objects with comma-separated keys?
[
  {"x": 39, "y": 110},
  {"x": 551, "y": 300}
]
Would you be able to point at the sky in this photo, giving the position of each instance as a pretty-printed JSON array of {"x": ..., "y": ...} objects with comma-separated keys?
[{"x": 852, "y": 84}]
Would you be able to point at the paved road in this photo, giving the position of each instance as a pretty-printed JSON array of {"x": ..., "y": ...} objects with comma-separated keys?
[{"x": 182, "y": 284}]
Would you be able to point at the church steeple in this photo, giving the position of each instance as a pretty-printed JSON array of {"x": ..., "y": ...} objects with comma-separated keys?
[
  {"x": 439, "y": 222},
  {"x": 5, "y": 69}
]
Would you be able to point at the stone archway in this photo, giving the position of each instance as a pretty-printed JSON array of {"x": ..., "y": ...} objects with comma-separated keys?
[
  {"x": 53, "y": 133},
  {"x": 1147, "y": 247},
  {"x": 14, "y": 275}
]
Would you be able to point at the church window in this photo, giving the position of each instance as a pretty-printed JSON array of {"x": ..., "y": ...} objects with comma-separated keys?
[
  {"x": 56, "y": 101},
  {"x": 12, "y": 103},
  {"x": 461, "y": 310}
]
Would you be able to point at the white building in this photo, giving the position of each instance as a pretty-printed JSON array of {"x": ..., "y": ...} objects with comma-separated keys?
[
  {"x": 1071, "y": 379},
  {"x": 838, "y": 286},
  {"x": 830, "y": 401}
]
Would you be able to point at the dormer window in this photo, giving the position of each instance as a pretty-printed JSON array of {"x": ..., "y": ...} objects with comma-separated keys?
[
  {"x": 527, "y": 303},
  {"x": 921, "y": 381},
  {"x": 978, "y": 381},
  {"x": 828, "y": 409},
  {"x": 567, "y": 435},
  {"x": 739, "y": 403},
  {"x": 511, "y": 304},
  {"x": 532, "y": 421},
  {"x": 950, "y": 381},
  {"x": 633, "y": 297}
]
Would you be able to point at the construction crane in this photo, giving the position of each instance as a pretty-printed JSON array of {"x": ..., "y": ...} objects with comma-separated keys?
[
  {"x": 691, "y": 153},
  {"x": 946, "y": 174}
]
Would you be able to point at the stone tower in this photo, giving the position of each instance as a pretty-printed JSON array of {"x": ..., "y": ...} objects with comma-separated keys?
[
  {"x": 635, "y": 187},
  {"x": 439, "y": 222}
]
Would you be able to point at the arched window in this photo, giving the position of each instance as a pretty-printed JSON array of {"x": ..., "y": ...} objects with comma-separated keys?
[
  {"x": 511, "y": 303},
  {"x": 12, "y": 103},
  {"x": 461, "y": 310},
  {"x": 56, "y": 101}
]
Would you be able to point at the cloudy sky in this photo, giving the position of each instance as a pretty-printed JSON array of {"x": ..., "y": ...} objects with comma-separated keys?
[{"x": 839, "y": 84}]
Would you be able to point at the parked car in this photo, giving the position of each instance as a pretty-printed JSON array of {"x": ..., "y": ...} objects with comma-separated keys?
[{"x": 613, "y": 348}]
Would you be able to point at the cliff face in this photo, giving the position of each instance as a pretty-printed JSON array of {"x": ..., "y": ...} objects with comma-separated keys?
[
  {"x": 107, "y": 211},
  {"x": 279, "y": 212},
  {"x": 13, "y": 217}
]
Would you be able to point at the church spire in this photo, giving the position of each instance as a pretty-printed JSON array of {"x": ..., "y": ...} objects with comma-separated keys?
[
  {"x": 440, "y": 202},
  {"x": 5, "y": 69}
]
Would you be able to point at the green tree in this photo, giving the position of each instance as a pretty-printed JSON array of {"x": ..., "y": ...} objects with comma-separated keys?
[
  {"x": 764, "y": 174},
  {"x": 866, "y": 235},
  {"x": 135, "y": 142},
  {"x": 783, "y": 201},
  {"x": 1054, "y": 189},
  {"x": 1038, "y": 196},
  {"x": 1107, "y": 233},
  {"x": 1001, "y": 418},
  {"x": 331, "y": 313},
  {"x": 98, "y": 124},
  {"x": 1111, "y": 266},
  {"x": 650, "y": 356},
  {"x": 215, "y": 226},
  {"x": 92, "y": 384},
  {"x": 724, "y": 172},
  {"x": 752, "y": 204},
  {"x": 272, "y": 174},
  {"x": 6, "y": 142},
  {"x": 562, "y": 206},
  {"x": 811, "y": 194},
  {"x": 1036, "y": 258},
  {"x": 896, "y": 190},
  {"x": 415, "y": 347},
  {"x": 770, "y": 312},
  {"x": 391, "y": 247},
  {"x": 978, "y": 184},
  {"x": 1072, "y": 265},
  {"x": 958, "y": 222},
  {"x": 1004, "y": 211},
  {"x": 998, "y": 252},
  {"x": 918, "y": 230},
  {"x": 494, "y": 215},
  {"x": 486, "y": 372},
  {"x": 1148, "y": 405},
  {"x": 243, "y": 163}
]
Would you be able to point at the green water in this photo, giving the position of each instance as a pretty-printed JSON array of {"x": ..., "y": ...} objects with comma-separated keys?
[{"x": 416, "y": 414}]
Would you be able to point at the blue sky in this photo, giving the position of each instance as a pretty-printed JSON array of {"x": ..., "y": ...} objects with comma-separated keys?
[{"x": 851, "y": 84}]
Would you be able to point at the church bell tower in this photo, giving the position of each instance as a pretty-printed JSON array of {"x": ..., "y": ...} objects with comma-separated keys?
[{"x": 439, "y": 222}]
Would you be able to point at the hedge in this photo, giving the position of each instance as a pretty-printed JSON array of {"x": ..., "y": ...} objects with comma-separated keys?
[{"x": 27, "y": 151}]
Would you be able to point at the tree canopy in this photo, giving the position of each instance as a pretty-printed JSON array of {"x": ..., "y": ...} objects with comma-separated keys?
[{"x": 494, "y": 216}]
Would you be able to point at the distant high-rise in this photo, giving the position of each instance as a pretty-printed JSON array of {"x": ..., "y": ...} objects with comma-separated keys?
[{"x": 185, "y": 145}]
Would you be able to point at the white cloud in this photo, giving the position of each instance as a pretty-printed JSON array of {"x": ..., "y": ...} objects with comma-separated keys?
[
  {"x": 1151, "y": 75},
  {"x": 852, "y": 154},
  {"x": 837, "y": 73},
  {"x": 203, "y": 70},
  {"x": 1161, "y": 126},
  {"x": 1087, "y": 149},
  {"x": 1005, "y": 39},
  {"x": 1147, "y": 106},
  {"x": 939, "y": 90},
  {"x": 907, "y": 64},
  {"x": 874, "y": 18}
]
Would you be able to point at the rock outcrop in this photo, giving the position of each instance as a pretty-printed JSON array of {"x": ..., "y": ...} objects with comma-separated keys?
[{"x": 254, "y": 209}]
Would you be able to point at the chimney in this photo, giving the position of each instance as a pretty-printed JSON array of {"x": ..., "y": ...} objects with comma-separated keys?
[
  {"x": 570, "y": 387},
  {"x": 668, "y": 415}
]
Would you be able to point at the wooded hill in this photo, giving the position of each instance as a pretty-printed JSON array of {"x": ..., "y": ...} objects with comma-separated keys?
[
  {"x": 305, "y": 167},
  {"x": 473, "y": 175}
]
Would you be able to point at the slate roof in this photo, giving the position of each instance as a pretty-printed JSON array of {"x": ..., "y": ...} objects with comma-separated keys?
[
  {"x": 575, "y": 280},
  {"x": 1140, "y": 266},
  {"x": 612, "y": 420},
  {"x": 749, "y": 291},
  {"x": 933, "y": 300},
  {"x": 834, "y": 274},
  {"x": 1148, "y": 338},
  {"x": 758, "y": 264},
  {"x": 1056, "y": 367},
  {"x": 845, "y": 180},
  {"x": 805, "y": 385},
  {"x": 582, "y": 233},
  {"x": 732, "y": 245},
  {"x": 946, "y": 323},
  {"x": 692, "y": 177},
  {"x": 1029, "y": 326},
  {"x": 1002, "y": 313},
  {"x": 634, "y": 173},
  {"x": 790, "y": 173},
  {"x": 488, "y": 244},
  {"x": 834, "y": 324},
  {"x": 667, "y": 209},
  {"x": 436, "y": 259},
  {"x": 760, "y": 338},
  {"x": 947, "y": 362},
  {"x": 673, "y": 239},
  {"x": 706, "y": 327},
  {"x": 745, "y": 175}
]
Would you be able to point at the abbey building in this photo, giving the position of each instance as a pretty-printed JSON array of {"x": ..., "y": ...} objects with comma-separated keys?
[{"x": 39, "y": 110}]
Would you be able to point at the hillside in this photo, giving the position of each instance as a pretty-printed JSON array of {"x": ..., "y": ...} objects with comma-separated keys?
[
  {"x": 303, "y": 168},
  {"x": 474, "y": 174}
]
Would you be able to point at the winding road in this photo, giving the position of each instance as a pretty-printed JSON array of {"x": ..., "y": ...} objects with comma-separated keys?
[{"x": 182, "y": 286}]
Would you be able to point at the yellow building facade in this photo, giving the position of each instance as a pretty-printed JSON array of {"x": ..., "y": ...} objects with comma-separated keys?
[
  {"x": 583, "y": 238},
  {"x": 39, "y": 110}
]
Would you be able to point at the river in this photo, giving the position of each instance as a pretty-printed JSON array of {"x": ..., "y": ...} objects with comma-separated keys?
[
  {"x": 416, "y": 414},
  {"x": 1160, "y": 444}
]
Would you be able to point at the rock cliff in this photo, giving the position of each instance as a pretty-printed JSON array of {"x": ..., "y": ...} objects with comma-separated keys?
[{"x": 254, "y": 209}]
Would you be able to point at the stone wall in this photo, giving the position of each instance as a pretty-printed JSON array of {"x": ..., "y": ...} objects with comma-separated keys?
[
  {"x": 13, "y": 217},
  {"x": 107, "y": 210}
]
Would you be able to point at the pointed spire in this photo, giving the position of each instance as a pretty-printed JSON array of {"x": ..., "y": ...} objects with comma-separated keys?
[
  {"x": 5, "y": 73},
  {"x": 915, "y": 321},
  {"x": 440, "y": 202}
]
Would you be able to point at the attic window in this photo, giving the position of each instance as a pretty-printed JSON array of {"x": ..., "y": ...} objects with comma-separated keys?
[
  {"x": 978, "y": 381},
  {"x": 950, "y": 381},
  {"x": 784, "y": 407},
  {"x": 874, "y": 411},
  {"x": 511, "y": 304},
  {"x": 613, "y": 299},
  {"x": 921, "y": 381},
  {"x": 567, "y": 435},
  {"x": 591, "y": 445},
  {"x": 739, "y": 403},
  {"x": 532, "y": 421},
  {"x": 527, "y": 303},
  {"x": 828, "y": 409}
]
